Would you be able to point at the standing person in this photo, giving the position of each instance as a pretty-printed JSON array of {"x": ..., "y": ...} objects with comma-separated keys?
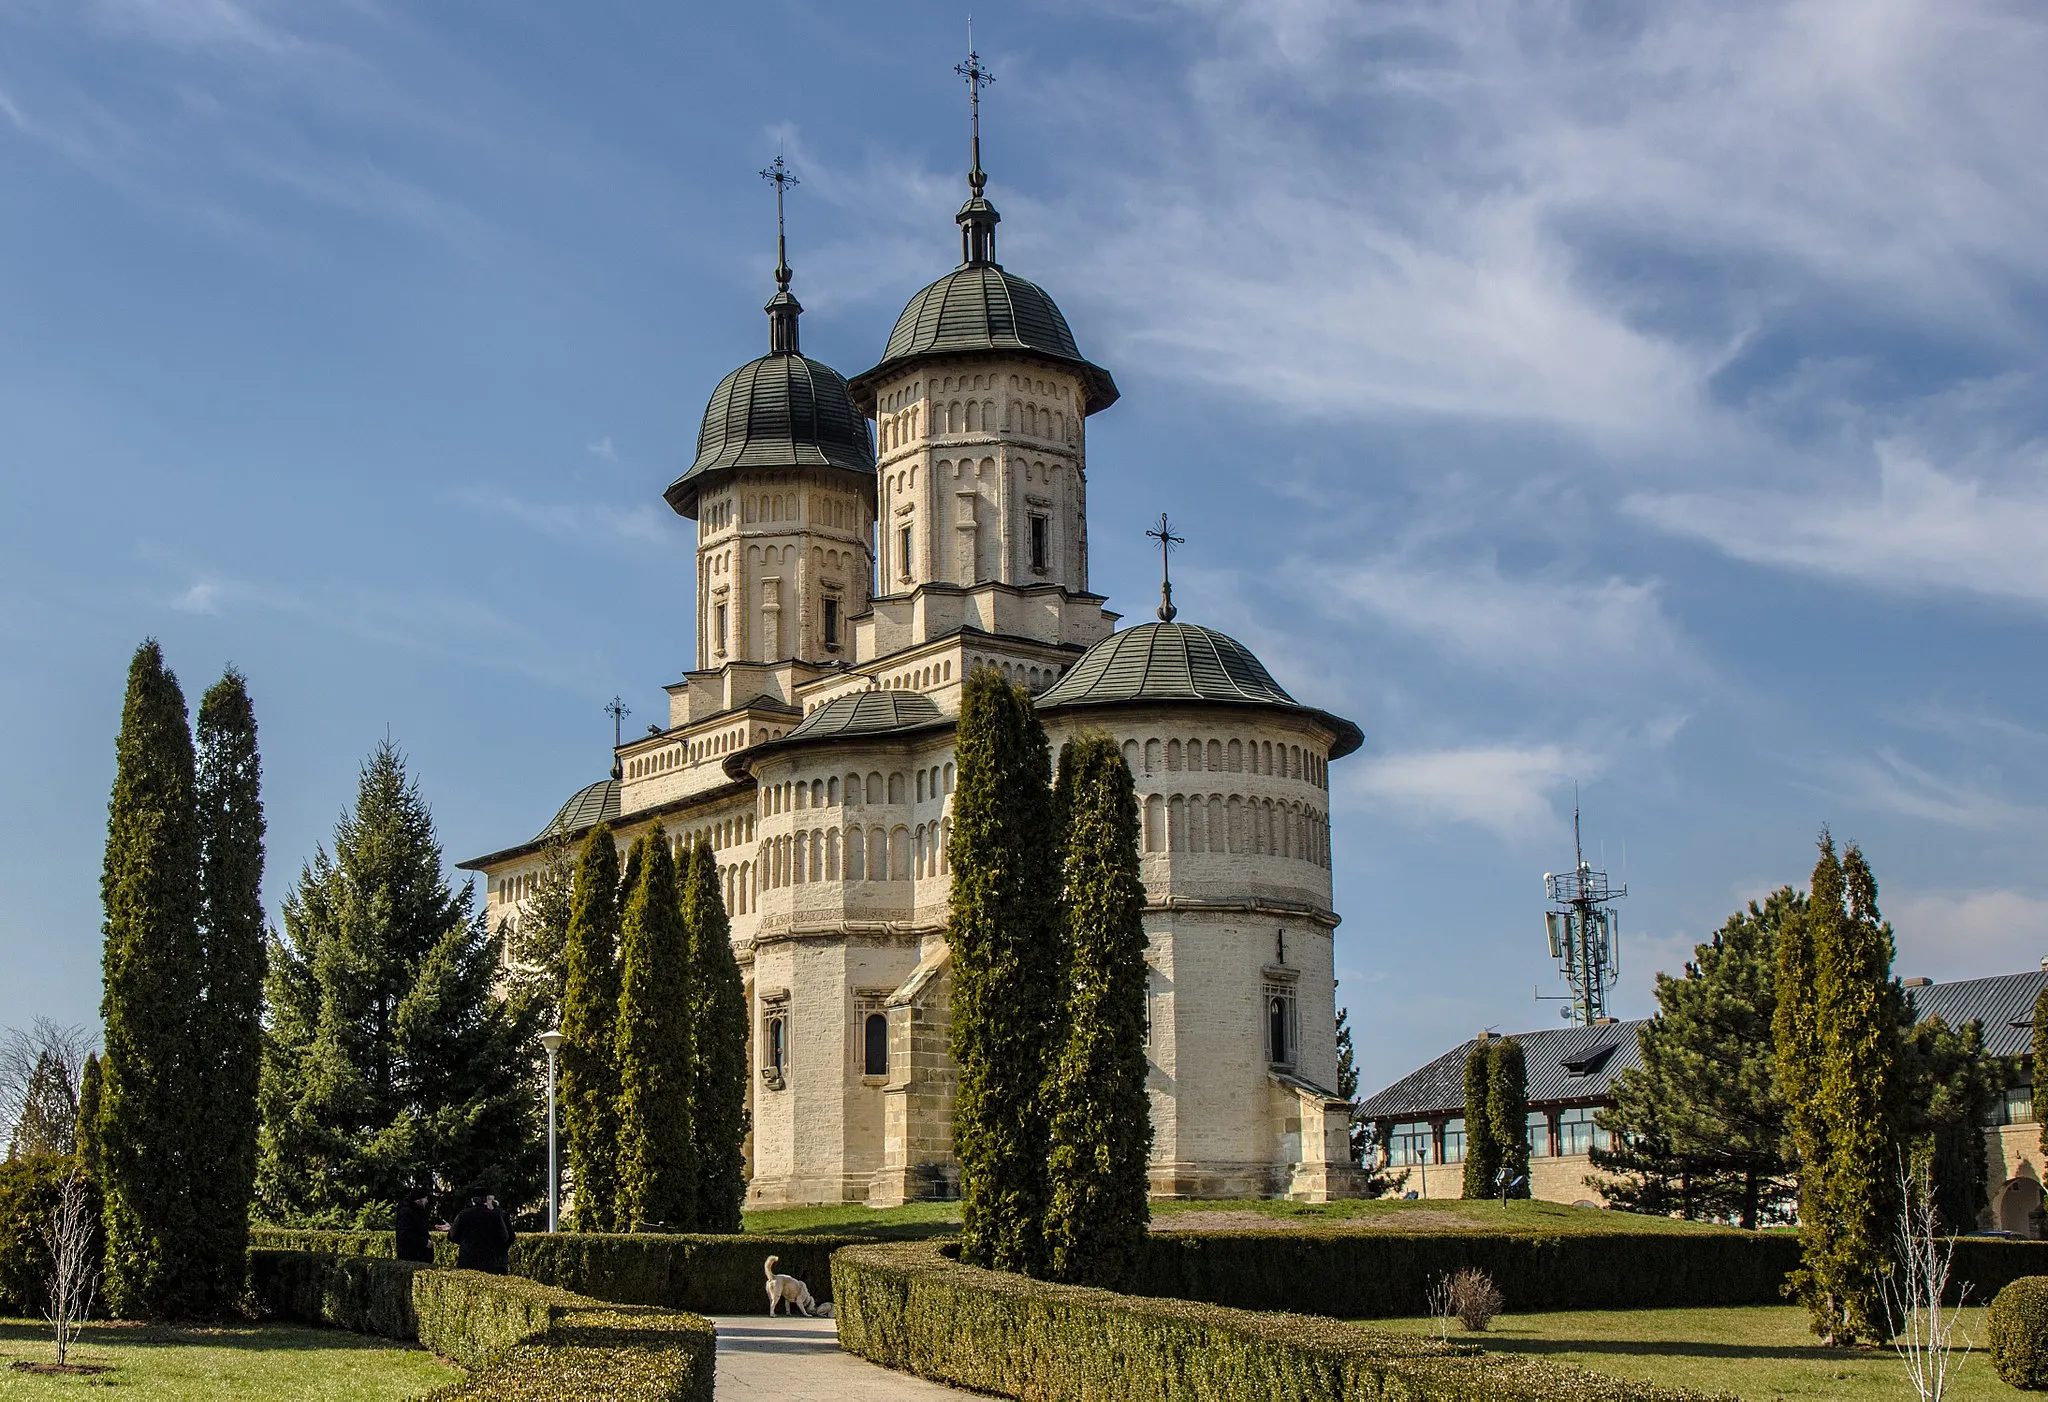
[
  {"x": 482, "y": 1236},
  {"x": 415, "y": 1227}
]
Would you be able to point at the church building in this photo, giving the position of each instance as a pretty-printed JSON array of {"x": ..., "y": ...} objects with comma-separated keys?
[{"x": 862, "y": 546}]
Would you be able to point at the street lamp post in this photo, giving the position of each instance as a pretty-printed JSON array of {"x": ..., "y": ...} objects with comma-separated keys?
[{"x": 552, "y": 1041}]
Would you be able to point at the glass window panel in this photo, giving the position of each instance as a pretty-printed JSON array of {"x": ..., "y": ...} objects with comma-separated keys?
[{"x": 1539, "y": 1134}]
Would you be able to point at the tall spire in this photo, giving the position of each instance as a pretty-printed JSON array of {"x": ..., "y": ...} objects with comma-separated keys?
[
  {"x": 977, "y": 218},
  {"x": 783, "y": 308},
  {"x": 1167, "y": 540}
]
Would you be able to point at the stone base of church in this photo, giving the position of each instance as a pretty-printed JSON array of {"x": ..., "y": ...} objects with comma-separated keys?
[
  {"x": 924, "y": 1182},
  {"x": 808, "y": 1190},
  {"x": 1325, "y": 1182}
]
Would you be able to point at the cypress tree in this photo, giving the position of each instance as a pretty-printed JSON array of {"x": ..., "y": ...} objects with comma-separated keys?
[
  {"x": 391, "y": 1055},
  {"x": 590, "y": 1009},
  {"x": 1507, "y": 1114},
  {"x": 153, "y": 985},
  {"x": 2039, "y": 1067},
  {"x": 230, "y": 1031},
  {"x": 657, "y": 1149},
  {"x": 1482, "y": 1150},
  {"x": 89, "y": 1117},
  {"x": 1797, "y": 1036},
  {"x": 718, "y": 1111},
  {"x": 1101, "y": 1119},
  {"x": 1007, "y": 968}
]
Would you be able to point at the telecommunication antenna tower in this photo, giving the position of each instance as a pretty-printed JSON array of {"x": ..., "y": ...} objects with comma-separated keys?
[{"x": 1584, "y": 931}]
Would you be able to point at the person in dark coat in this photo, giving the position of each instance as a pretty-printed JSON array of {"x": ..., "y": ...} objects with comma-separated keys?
[
  {"x": 415, "y": 1227},
  {"x": 482, "y": 1235}
]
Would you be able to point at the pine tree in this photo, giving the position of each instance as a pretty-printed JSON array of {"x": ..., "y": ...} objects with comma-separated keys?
[
  {"x": 230, "y": 1026},
  {"x": 658, "y": 1171},
  {"x": 153, "y": 985},
  {"x": 718, "y": 1112},
  {"x": 1699, "y": 1128},
  {"x": 1482, "y": 1150},
  {"x": 1950, "y": 1087},
  {"x": 1004, "y": 933},
  {"x": 1101, "y": 1119},
  {"x": 89, "y": 1117},
  {"x": 391, "y": 1055},
  {"x": 590, "y": 1010},
  {"x": 1507, "y": 1114}
]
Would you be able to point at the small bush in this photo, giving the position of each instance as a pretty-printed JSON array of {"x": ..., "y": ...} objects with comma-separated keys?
[
  {"x": 1471, "y": 1297},
  {"x": 2017, "y": 1331},
  {"x": 910, "y": 1307},
  {"x": 524, "y": 1342}
]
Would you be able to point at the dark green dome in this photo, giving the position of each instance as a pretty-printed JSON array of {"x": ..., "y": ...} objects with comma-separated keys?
[
  {"x": 587, "y": 807},
  {"x": 1155, "y": 662},
  {"x": 979, "y": 308},
  {"x": 867, "y": 713}
]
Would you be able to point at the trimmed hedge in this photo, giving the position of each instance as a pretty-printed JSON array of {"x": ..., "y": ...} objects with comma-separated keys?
[
  {"x": 524, "y": 1342},
  {"x": 2017, "y": 1330},
  {"x": 704, "y": 1274},
  {"x": 912, "y": 1308}
]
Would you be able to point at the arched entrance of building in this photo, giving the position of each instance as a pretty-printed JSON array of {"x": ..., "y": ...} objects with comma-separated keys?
[{"x": 2017, "y": 1205}]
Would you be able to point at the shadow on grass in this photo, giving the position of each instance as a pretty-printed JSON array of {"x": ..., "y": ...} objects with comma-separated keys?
[
  {"x": 1658, "y": 1348},
  {"x": 242, "y": 1334}
]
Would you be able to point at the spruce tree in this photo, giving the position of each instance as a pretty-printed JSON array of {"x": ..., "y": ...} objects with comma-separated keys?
[
  {"x": 229, "y": 1025},
  {"x": 153, "y": 985},
  {"x": 718, "y": 1111},
  {"x": 658, "y": 1171},
  {"x": 589, "y": 1056},
  {"x": 536, "y": 946},
  {"x": 48, "y": 1123},
  {"x": 89, "y": 1117},
  {"x": 1507, "y": 1114},
  {"x": 1004, "y": 934},
  {"x": 392, "y": 1056},
  {"x": 1101, "y": 1119},
  {"x": 1347, "y": 1084},
  {"x": 1482, "y": 1150}
]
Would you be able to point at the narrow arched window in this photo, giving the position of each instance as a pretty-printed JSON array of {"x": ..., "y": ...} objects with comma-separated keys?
[{"x": 875, "y": 1048}]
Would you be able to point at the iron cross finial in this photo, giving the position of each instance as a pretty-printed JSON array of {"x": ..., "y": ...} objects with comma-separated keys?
[
  {"x": 618, "y": 710},
  {"x": 978, "y": 77},
  {"x": 778, "y": 174},
  {"x": 1167, "y": 540}
]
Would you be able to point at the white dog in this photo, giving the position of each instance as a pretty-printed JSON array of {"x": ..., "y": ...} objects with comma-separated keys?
[{"x": 788, "y": 1290}]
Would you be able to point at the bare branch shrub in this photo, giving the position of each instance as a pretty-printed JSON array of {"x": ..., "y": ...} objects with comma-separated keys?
[
  {"x": 74, "y": 1265},
  {"x": 1440, "y": 1308},
  {"x": 1474, "y": 1299},
  {"x": 1923, "y": 1328},
  {"x": 40, "y": 1070}
]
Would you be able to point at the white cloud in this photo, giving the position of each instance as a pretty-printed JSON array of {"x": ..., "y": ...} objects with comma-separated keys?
[
  {"x": 640, "y": 525},
  {"x": 202, "y": 597},
  {"x": 1890, "y": 783},
  {"x": 1505, "y": 788},
  {"x": 1969, "y": 934},
  {"x": 602, "y": 448}
]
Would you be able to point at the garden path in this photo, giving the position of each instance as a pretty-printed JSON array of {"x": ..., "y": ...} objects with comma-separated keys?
[{"x": 787, "y": 1359}]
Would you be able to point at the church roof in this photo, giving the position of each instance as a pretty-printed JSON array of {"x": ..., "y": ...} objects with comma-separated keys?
[
  {"x": 1180, "y": 662},
  {"x": 982, "y": 308},
  {"x": 866, "y": 713},
  {"x": 783, "y": 410},
  {"x": 587, "y": 807}
]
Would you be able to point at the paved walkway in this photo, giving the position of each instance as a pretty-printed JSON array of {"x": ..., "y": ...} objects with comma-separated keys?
[{"x": 787, "y": 1359}]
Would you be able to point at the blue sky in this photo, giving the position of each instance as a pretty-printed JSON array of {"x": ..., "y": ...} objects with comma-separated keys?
[{"x": 1644, "y": 397}]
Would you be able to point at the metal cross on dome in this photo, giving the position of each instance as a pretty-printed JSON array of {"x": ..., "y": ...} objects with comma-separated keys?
[
  {"x": 978, "y": 77},
  {"x": 618, "y": 710},
  {"x": 1167, "y": 540},
  {"x": 778, "y": 173}
]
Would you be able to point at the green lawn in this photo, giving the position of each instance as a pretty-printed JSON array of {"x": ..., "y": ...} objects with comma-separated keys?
[
  {"x": 1757, "y": 1353},
  {"x": 852, "y": 1219},
  {"x": 151, "y": 1363}
]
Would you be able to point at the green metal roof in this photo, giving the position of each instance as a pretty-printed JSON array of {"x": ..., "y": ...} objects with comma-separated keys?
[
  {"x": 783, "y": 410},
  {"x": 1180, "y": 662},
  {"x": 867, "y": 713},
  {"x": 980, "y": 308},
  {"x": 587, "y": 807}
]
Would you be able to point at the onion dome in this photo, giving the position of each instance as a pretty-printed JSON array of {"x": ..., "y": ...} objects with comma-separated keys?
[
  {"x": 867, "y": 713},
  {"x": 587, "y": 807},
  {"x": 783, "y": 410},
  {"x": 1181, "y": 662}
]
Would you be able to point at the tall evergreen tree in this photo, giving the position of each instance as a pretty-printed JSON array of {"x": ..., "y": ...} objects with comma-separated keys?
[
  {"x": 391, "y": 1055},
  {"x": 1101, "y": 1119},
  {"x": 1507, "y": 1113},
  {"x": 2039, "y": 1063},
  {"x": 718, "y": 1112},
  {"x": 1949, "y": 1089},
  {"x": 1797, "y": 1036},
  {"x": 1699, "y": 1127},
  {"x": 1004, "y": 932},
  {"x": 89, "y": 1116},
  {"x": 48, "y": 1123},
  {"x": 536, "y": 946},
  {"x": 153, "y": 985},
  {"x": 1347, "y": 1084},
  {"x": 589, "y": 1056},
  {"x": 230, "y": 1024},
  {"x": 658, "y": 1171},
  {"x": 1482, "y": 1150}
]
